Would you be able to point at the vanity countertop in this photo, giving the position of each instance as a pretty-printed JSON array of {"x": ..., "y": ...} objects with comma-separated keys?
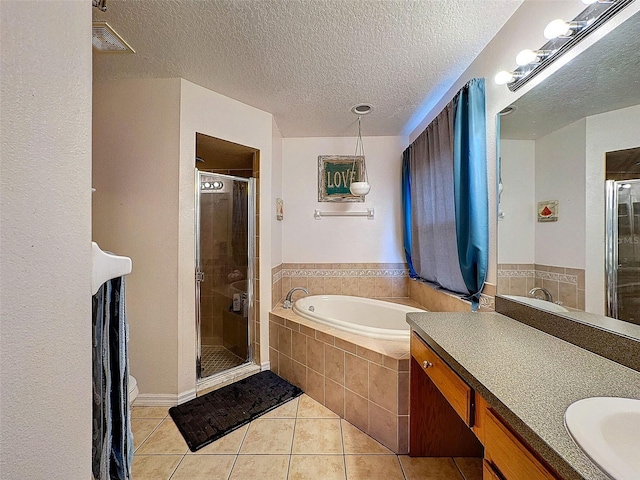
[{"x": 528, "y": 377}]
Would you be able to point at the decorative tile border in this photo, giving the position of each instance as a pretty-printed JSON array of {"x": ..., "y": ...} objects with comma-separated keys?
[
  {"x": 557, "y": 277},
  {"x": 543, "y": 275},
  {"x": 277, "y": 277},
  {"x": 351, "y": 272},
  {"x": 487, "y": 301},
  {"x": 516, "y": 273}
]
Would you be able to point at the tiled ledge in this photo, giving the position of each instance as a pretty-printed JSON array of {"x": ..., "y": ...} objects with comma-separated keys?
[{"x": 363, "y": 380}]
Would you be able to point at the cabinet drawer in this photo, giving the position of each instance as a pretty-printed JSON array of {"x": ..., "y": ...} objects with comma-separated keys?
[
  {"x": 508, "y": 455},
  {"x": 457, "y": 393},
  {"x": 488, "y": 473}
]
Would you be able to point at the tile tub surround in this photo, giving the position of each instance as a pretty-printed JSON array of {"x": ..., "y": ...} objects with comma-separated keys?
[
  {"x": 371, "y": 280},
  {"x": 528, "y": 377},
  {"x": 435, "y": 299},
  {"x": 565, "y": 284},
  {"x": 363, "y": 380}
]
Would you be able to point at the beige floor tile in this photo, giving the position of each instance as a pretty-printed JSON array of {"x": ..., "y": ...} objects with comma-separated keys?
[
  {"x": 269, "y": 436},
  {"x": 356, "y": 441},
  {"x": 288, "y": 410},
  {"x": 230, "y": 443},
  {"x": 141, "y": 428},
  {"x": 165, "y": 439},
  {"x": 373, "y": 467},
  {"x": 471, "y": 468},
  {"x": 309, "y": 408},
  {"x": 149, "y": 412},
  {"x": 422, "y": 468},
  {"x": 260, "y": 467},
  {"x": 314, "y": 467},
  {"x": 154, "y": 467},
  {"x": 317, "y": 436},
  {"x": 204, "y": 467}
]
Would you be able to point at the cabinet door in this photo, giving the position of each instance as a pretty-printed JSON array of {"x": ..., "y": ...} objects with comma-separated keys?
[
  {"x": 509, "y": 455},
  {"x": 455, "y": 390}
]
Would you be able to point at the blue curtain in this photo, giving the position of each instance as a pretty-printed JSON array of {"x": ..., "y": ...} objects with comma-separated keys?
[
  {"x": 470, "y": 183},
  {"x": 406, "y": 208}
]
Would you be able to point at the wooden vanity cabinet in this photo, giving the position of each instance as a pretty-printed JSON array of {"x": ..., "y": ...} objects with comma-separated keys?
[
  {"x": 454, "y": 389},
  {"x": 508, "y": 456},
  {"x": 441, "y": 405},
  {"x": 448, "y": 418}
]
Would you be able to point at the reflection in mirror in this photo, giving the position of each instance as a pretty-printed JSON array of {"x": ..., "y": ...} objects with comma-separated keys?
[{"x": 553, "y": 166}]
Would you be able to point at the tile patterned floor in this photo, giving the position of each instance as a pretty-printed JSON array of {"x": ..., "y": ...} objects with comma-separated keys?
[
  {"x": 301, "y": 440},
  {"x": 216, "y": 358}
]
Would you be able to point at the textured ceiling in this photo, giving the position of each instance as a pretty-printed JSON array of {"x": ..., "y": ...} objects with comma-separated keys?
[
  {"x": 308, "y": 61},
  {"x": 604, "y": 77}
]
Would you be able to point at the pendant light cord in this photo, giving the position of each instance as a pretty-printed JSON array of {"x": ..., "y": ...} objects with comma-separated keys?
[{"x": 360, "y": 153}]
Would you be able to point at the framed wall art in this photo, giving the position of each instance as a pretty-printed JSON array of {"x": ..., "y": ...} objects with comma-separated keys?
[{"x": 335, "y": 174}]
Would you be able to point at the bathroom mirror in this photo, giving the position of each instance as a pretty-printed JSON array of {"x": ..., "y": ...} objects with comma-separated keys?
[{"x": 553, "y": 156}]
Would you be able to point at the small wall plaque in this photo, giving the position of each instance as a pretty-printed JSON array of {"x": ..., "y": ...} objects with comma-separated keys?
[
  {"x": 548, "y": 211},
  {"x": 279, "y": 209},
  {"x": 335, "y": 174}
]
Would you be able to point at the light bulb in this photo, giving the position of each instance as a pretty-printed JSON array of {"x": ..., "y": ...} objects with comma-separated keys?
[
  {"x": 504, "y": 77},
  {"x": 527, "y": 56},
  {"x": 557, "y": 28}
]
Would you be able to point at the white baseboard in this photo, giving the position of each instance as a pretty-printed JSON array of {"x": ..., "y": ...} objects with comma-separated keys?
[
  {"x": 265, "y": 365},
  {"x": 155, "y": 400},
  {"x": 186, "y": 396},
  {"x": 228, "y": 377}
]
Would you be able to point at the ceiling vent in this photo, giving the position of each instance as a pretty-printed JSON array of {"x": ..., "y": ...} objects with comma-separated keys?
[{"x": 105, "y": 39}]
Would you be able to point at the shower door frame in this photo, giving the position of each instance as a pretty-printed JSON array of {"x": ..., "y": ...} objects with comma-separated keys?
[
  {"x": 611, "y": 244},
  {"x": 199, "y": 274}
]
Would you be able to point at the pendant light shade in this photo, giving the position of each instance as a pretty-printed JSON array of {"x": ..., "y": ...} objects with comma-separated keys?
[{"x": 360, "y": 187}]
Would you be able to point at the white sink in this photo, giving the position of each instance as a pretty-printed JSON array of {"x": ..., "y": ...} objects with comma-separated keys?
[{"x": 607, "y": 429}]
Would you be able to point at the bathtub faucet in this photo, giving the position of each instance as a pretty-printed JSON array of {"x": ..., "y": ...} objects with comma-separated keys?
[
  {"x": 287, "y": 300},
  {"x": 547, "y": 294}
]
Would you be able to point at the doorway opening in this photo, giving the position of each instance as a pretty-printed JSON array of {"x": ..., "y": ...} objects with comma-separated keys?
[
  {"x": 226, "y": 269},
  {"x": 622, "y": 264}
]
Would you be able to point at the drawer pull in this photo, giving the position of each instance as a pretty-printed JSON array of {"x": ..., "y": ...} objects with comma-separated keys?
[{"x": 427, "y": 364}]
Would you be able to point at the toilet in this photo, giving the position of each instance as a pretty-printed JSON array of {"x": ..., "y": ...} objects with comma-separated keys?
[{"x": 133, "y": 389}]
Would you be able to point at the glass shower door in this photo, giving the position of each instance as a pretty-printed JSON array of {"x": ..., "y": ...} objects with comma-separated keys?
[
  {"x": 623, "y": 250},
  {"x": 224, "y": 239}
]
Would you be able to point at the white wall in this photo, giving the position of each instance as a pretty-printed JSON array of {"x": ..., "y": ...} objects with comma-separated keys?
[
  {"x": 342, "y": 239},
  {"x": 606, "y": 132},
  {"x": 516, "y": 231},
  {"x": 208, "y": 112},
  {"x": 560, "y": 174},
  {"x": 136, "y": 156},
  {"x": 45, "y": 239},
  {"x": 276, "y": 192}
]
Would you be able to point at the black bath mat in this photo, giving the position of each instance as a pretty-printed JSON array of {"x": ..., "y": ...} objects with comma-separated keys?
[{"x": 205, "y": 419}]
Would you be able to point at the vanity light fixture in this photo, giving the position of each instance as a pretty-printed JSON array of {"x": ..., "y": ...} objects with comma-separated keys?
[
  {"x": 562, "y": 35},
  {"x": 527, "y": 56},
  {"x": 559, "y": 28},
  {"x": 361, "y": 187},
  {"x": 504, "y": 77}
]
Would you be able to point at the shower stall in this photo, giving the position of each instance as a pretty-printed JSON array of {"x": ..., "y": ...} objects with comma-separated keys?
[
  {"x": 225, "y": 224},
  {"x": 623, "y": 249}
]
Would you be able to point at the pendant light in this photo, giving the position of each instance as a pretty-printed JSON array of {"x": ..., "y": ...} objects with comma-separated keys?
[{"x": 361, "y": 187}]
